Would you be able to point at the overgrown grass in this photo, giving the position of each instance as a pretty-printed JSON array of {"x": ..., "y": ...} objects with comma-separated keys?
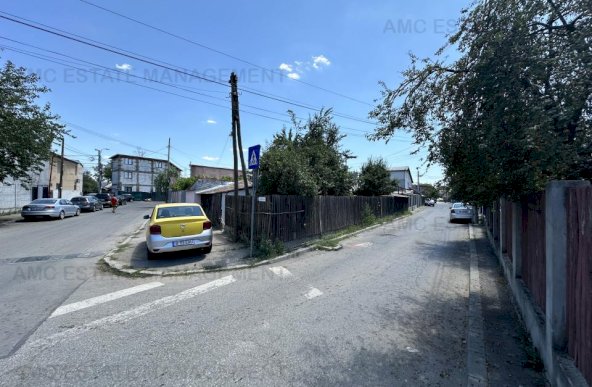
[{"x": 268, "y": 249}]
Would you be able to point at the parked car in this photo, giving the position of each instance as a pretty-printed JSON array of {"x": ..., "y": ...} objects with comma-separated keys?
[
  {"x": 461, "y": 211},
  {"x": 430, "y": 202},
  {"x": 105, "y": 198},
  {"x": 121, "y": 200},
  {"x": 50, "y": 208},
  {"x": 87, "y": 203},
  {"x": 176, "y": 227},
  {"x": 128, "y": 197}
]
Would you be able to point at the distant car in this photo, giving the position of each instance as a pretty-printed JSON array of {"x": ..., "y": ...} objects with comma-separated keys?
[
  {"x": 461, "y": 211},
  {"x": 49, "y": 208},
  {"x": 430, "y": 202},
  {"x": 87, "y": 203},
  {"x": 105, "y": 198},
  {"x": 121, "y": 200},
  {"x": 128, "y": 197},
  {"x": 177, "y": 227}
]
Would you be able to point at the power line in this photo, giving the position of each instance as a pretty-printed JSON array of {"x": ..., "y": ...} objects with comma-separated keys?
[
  {"x": 105, "y": 48},
  {"x": 58, "y": 61},
  {"x": 219, "y": 52},
  {"x": 152, "y": 61}
]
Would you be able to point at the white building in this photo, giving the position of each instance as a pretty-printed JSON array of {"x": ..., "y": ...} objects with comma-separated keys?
[
  {"x": 402, "y": 175},
  {"x": 136, "y": 173},
  {"x": 44, "y": 184}
]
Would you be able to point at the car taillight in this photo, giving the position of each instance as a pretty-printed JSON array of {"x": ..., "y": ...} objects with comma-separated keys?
[
  {"x": 155, "y": 229},
  {"x": 207, "y": 225}
]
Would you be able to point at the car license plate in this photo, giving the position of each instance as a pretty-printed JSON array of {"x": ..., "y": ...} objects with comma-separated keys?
[{"x": 184, "y": 243}]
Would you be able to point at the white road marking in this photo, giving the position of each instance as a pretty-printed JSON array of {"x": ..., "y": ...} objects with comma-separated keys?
[
  {"x": 312, "y": 293},
  {"x": 104, "y": 298},
  {"x": 122, "y": 317},
  {"x": 281, "y": 271}
]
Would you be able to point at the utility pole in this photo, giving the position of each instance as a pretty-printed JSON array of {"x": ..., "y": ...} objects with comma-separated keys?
[
  {"x": 168, "y": 167},
  {"x": 418, "y": 187},
  {"x": 100, "y": 168},
  {"x": 234, "y": 100},
  {"x": 239, "y": 137},
  {"x": 61, "y": 170}
]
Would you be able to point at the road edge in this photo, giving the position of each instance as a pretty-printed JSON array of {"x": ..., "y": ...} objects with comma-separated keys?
[{"x": 122, "y": 269}]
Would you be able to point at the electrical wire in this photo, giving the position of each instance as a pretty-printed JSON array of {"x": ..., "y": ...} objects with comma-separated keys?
[
  {"x": 58, "y": 61},
  {"x": 219, "y": 51},
  {"x": 154, "y": 62}
]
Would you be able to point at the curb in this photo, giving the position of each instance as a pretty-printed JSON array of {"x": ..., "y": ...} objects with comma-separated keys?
[
  {"x": 161, "y": 273},
  {"x": 476, "y": 359}
]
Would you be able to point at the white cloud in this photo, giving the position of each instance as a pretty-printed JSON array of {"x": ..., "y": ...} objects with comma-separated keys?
[
  {"x": 210, "y": 158},
  {"x": 211, "y": 122},
  {"x": 123, "y": 66},
  {"x": 320, "y": 61},
  {"x": 286, "y": 67},
  {"x": 299, "y": 68}
]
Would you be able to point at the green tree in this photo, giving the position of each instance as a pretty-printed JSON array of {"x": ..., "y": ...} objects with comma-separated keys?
[
  {"x": 375, "y": 179},
  {"x": 27, "y": 130},
  {"x": 306, "y": 159},
  {"x": 429, "y": 191},
  {"x": 164, "y": 180},
  {"x": 184, "y": 183},
  {"x": 89, "y": 184},
  {"x": 513, "y": 110}
]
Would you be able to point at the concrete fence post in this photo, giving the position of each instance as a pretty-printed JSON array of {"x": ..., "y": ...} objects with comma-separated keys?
[
  {"x": 516, "y": 240},
  {"x": 556, "y": 259},
  {"x": 501, "y": 225}
]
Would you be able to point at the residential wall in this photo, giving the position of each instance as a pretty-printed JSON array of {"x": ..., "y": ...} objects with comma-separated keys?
[
  {"x": 13, "y": 196},
  {"x": 72, "y": 179},
  {"x": 403, "y": 179},
  {"x": 135, "y": 172},
  {"x": 16, "y": 193}
]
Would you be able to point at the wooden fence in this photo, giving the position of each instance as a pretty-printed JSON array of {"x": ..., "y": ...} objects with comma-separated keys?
[
  {"x": 579, "y": 278},
  {"x": 287, "y": 218},
  {"x": 212, "y": 205},
  {"x": 545, "y": 249},
  {"x": 533, "y": 247}
]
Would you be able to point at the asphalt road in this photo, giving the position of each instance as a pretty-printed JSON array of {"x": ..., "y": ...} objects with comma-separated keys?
[
  {"x": 390, "y": 308},
  {"x": 43, "y": 262}
]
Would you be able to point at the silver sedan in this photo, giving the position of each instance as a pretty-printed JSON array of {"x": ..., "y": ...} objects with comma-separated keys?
[
  {"x": 50, "y": 208},
  {"x": 461, "y": 211}
]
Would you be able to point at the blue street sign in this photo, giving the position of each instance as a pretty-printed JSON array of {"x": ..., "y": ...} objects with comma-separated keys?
[{"x": 254, "y": 156}]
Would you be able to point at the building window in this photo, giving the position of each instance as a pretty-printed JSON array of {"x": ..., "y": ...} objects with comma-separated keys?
[
  {"x": 159, "y": 164},
  {"x": 128, "y": 175},
  {"x": 128, "y": 161},
  {"x": 128, "y": 188}
]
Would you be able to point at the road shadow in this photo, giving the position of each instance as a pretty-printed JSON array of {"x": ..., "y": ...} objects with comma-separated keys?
[{"x": 139, "y": 258}]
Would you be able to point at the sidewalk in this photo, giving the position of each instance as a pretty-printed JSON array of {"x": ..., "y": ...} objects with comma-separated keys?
[
  {"x": 10, "y": 218},
  {"x": 510, "y": 357},
  {"x": 130, "y": 256}
]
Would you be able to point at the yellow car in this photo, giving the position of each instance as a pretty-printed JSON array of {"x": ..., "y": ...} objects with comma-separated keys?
[{"x": 177, "y": 227}]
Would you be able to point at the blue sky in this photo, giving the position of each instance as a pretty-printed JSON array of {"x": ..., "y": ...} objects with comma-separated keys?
[{"x": 346, "y": 47}]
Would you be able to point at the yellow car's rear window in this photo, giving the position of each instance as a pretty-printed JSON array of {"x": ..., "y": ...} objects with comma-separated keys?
[{"x": 175, "y": 212}]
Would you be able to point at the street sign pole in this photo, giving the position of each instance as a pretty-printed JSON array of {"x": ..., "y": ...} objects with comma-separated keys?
[
  {"x": 253, "y": 204},
  {"x": 253, "y": 155}
]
